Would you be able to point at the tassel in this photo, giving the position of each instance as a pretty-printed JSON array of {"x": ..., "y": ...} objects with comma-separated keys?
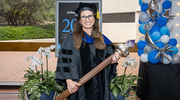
[{"x": 98, "y": 15}]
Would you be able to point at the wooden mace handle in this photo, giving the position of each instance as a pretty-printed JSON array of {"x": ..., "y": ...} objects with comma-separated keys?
[{"x": 87, "y": 77}]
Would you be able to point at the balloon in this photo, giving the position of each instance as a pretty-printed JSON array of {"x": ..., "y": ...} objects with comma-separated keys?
[
  {"x": 151, "y": 57},
  {"x": 165, "y": 39},
  {"x": 162, "y": 21},
  {"x": 142, "y": 38},
  {"x": 167, "y": 4},
  {"x": 141, "y": 44},
  {"x": 139, "y": 22},
  {"x": 140, "y": 51},
  {"x": 160, "y": 44},
  {"x": 147, "y": 27},
  {"x": 173, "y": 42},
  {"x": 144, "y": 7},
  {"x": 155, "y": 28},
  {"x": 170, "y": 26},
  {"x": 144, "y": 17},
  {"x": 158, "y": 0},
  {"x": 144, "y": 58},
  {"x": 159, "y": 8},
  {"x": 147, "y": 49},
  {"x": 165, "y": 60},
  {"x": 140, "y": 2},
  {"x": 153, "y": 7},
  {"x": 156, "y": 35},
  {"x": 141, "y": 28},
  {"x": 175, "y": 49},
  {"x": 145, "y": 1},
  {"x": 164, "y": 30},
  {"x": 175, "y": 59}
]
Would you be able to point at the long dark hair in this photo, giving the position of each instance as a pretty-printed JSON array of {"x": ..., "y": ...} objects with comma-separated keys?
[{"x": 78, "y": 34}]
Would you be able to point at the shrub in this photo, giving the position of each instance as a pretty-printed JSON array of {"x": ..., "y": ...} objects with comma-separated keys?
[{"x": 27, "y": 32}]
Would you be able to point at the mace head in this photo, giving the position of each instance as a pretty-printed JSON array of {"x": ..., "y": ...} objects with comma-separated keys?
[{"x": 122, "y": 49}]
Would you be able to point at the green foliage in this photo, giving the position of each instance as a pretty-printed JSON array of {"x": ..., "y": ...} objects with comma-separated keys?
[
  {"x": 27, "y": 32},
  {"x": 34, "y": 86},
  {"x": 27, "y": 12},
  {"x": 123, "y": 83}
]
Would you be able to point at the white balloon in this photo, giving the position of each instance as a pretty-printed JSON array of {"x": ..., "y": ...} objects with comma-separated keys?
[
  {"x": 145, "y": 1},
  {"x": 159, "y": 8},
  {"x": 170, "y": 26},
  {"x": 164, "y": 38},
  {"x": 165, "y": 60},
  {"x": 144, "y": 17},
  {"x": 144, "y": 58}
]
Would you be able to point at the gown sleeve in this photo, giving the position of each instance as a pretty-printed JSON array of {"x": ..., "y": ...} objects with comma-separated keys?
[
  {"x": 66, "y": 64},
  {"x": 110, "y": 51}
]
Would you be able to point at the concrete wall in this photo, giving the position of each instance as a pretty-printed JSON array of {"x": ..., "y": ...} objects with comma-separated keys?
[{"x": 121, "y": 32}]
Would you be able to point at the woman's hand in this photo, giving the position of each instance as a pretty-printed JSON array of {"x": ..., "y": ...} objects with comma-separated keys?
[
  {"x": 72, "y": 86},
  {"x": 115, "y": 58}
]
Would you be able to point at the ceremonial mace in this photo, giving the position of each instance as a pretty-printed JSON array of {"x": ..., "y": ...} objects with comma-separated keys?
[{"x": 121, "y": 49}]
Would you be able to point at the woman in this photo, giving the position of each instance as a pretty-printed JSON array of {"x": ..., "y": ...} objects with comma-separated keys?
[{"x": 83, "y": 50}]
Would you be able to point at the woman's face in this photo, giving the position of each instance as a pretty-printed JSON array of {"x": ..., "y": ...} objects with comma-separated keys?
[{"x": 87, "y": 19}]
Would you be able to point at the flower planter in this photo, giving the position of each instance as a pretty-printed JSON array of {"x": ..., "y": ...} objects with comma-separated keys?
[
  {"x": 44, "y": 96},
  {"x": 119, "y": 97}
]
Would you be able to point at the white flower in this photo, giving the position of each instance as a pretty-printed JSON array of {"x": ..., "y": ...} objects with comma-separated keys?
[
  {"x": 52, "y": 47},
  {"x": 47, "y": 51},
  {"x": 129, "y": 62},
  {"x": 40, "y": 50}
]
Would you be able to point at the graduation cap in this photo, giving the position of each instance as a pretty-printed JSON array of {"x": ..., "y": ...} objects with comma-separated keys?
[{"x": 87, "y": 6}]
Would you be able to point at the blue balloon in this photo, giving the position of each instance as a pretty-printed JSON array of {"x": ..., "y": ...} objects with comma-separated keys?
[
  {"x": 139, "y": 22},
  {"x": 162, "y": 21},
  {"x": 140, "y": 52},
  {"x": 144, "y": 7},
  {"x": 141, "y": 44},
  {"x": 175, "y": 50},
  {"x": 167, "y": 4},
  {"x": 156, "y": 36},
  {"x": 151, "y": 57},
  {"x": 173, "y": 42},
  {"x": 160, "y": 44},
  {"x": 155, "y": 28},
  {"x": 140, "y": 2},
  {"x": 141, "y": 28},
  {"x": 164, "y": 30}
]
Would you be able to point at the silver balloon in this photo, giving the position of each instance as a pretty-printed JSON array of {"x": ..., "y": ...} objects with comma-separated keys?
[
  {"x": 166, "y": 14},
  {"x": 159, "y": 8},
  {"x": 141, "y": 38},
  {"x": 175, "y": 59},
  {"x": 147, "y": 49},
  {"x": 144, "y": 17},
  {"x": 153, "y": 8},
  {"x": 147, "y": 26}
]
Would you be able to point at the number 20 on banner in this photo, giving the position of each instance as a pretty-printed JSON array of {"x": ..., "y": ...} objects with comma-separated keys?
[{"x": 69, "y": 23}]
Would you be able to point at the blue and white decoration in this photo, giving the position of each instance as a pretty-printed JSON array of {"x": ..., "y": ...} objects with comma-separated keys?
[{"x": 155, "y": 23}]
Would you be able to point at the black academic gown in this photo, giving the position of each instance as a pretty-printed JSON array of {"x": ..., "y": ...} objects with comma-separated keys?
[{"x": 73, "y": 64}]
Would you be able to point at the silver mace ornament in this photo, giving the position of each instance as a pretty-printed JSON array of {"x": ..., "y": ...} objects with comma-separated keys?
[
  {"x": 162, "y": 51},
  {"x": 153, "y": 7}
]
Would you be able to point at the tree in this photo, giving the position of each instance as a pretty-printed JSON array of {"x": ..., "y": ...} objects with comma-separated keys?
[{"x": 27, "y": 12}]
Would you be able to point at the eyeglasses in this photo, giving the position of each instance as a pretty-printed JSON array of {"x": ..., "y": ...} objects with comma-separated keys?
[{"x": 90, "y": 17}]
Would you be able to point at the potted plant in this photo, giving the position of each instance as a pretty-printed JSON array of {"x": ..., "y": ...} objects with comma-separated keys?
[
  {"x": 122, "y": 84},
  {"x": 40, "y": 82}
]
